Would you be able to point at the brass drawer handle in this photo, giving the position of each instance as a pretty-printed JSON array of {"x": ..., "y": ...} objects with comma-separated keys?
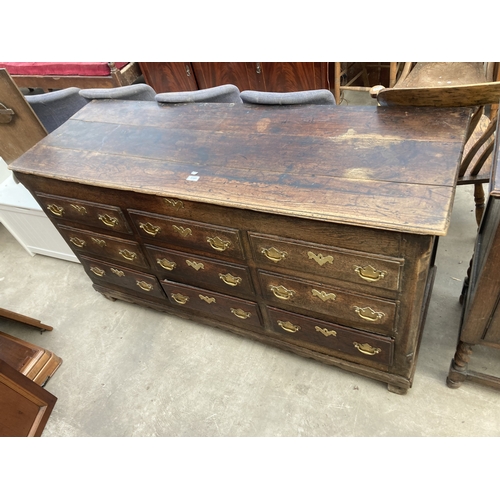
[
  {"x": 184, "y": 232},
  {"x": 208, "y": 300},
  {"x": 77, "y": 242},
  {"x": 56, "y": 209},
  {"x": 369, "y": 273},
  {"x": 239, "y": 313},
  {"x": 218, "y": 244},
  {"x": 195, "y": 265},
  {"x": 80, "y": 209},
  {"x": 324, "y": 296},
  {"x": 368, "y": 314},
  {"x": 281, "y": 292},
  {"x": 118, "y": 272},
  {"x": 166, "y": 264},
  {"x": 147, "y": 287},
  {"x": 99, "y": 242},
  {"x": 148, "y": 228},
  {"x": 288, "y": 327},
  {"x": 274, "y": 254},
  {"x": 179, "y": 298},
  {"x": 98, "y": 271},
  {"x": 367, "y": 349},
  {"x": 177, "y": 204},
  {"x": 127, "y": 254},
  {"x": 325, "y": 331},
  {"x": 319, "y": 259},
  {"x": 108, "y": 220},
  {"x": 229, "y": 279}
]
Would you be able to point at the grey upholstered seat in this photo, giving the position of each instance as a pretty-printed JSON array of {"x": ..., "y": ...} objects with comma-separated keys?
[
  {"x": 135, "y": 92},
  {"x": 54, "y": 108},
  {"x": 222, "y": 93},
  {"x": 320, "y": 96}
]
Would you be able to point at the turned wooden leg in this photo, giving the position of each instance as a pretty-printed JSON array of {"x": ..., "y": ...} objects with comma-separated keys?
[
  {"x": 479, "y": 200},
  {"x": 458, "y": 368}
]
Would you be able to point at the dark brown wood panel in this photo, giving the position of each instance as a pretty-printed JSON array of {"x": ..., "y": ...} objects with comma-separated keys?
[
  {"x": 295, "y": 76},
  {"x": 169, "y": 77},
  {"x": 244, "y": 75}
]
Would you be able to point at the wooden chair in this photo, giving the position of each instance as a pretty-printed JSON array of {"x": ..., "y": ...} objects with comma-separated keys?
[
  {"x": 454, "y": 85},
  {"x": 319, "y": 96}
]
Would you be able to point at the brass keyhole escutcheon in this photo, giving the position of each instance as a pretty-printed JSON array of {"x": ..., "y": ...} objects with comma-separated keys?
[
  {"x": 80, "y": 209},
  {"x": 195, "y": 265},
  {"x": 320, "y": 259},
  {"x": 118, "y": 272},
  {"x": 183, "y": 231},
  {"x": 324, "y": 296},
  {"x": 208, "y": 300},
  {"x": 325, "y": 331}
]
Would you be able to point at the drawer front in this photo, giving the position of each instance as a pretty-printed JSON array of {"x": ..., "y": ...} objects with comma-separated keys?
[
  {"x": 102, "y": 272},
  {"x": 195, "y": 270},
  {"x": 280, "y": 253},
  {"x": 363, "y": 346},
  {"x": 62, "y": 209},
  {"x": 124, "y": 251},
  {"x": 355, "y": 310},
  {"x": 192, "y": 235},
  {"x": 198, "y": 299}
]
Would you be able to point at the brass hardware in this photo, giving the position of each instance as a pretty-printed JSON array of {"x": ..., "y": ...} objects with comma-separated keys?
[
  {"x": 148, "y": 228},
  {"x": 99, "y": 242},
  {"x": 127, "y": 254},
  {"x": 166, "y": 264},
  {"x": 179, "y": 298},
  {"x": 229, "y": 279},
  {"x": 118, "y": 272},
  {"x": 184, "y": 232},
  {"x": 147, "y": 287},
  {"x": 288, "y": 327},
  {"x": 218, "y": 244},
  {"x": 98, "y": 271},
  {"x": 208, "y": 300},
  {"x": 367, "y": 349},
  {"x": 274, "y": 254},
  {"x": 239, "y": 313},
  {"x": 195, "y": 265},
  {"x": 258, "y": 68},
  {"x": 81, "y": 210},
  {"x": 108, "y": 220},
  {"x": 325, "y": 331},
  {"x": 6, "y": 114},
  {"x": 177, "y": 204},
  {"x": 320, "y": 259},
  {"x": 77, "y": 241},
  {"x": 56, "y": 210},
  {"x": 281, "y": 292},
  {"x": 368, "y": 314},
  {"x": 369, "y": 273},
  {"x": 323, "y": 295}
]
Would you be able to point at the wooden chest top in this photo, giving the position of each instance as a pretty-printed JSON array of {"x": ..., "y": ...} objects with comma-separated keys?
[{"x": 389, "y": 168}]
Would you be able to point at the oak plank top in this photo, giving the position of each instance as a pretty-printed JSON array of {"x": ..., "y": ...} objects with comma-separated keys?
[{"x": 392, "y": 168}]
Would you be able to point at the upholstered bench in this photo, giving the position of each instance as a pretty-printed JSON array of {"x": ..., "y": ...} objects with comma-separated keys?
[{"x": 84, "y": 75}]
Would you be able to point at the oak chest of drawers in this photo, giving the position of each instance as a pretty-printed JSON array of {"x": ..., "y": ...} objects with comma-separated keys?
[{"x": 304, "y": 227}]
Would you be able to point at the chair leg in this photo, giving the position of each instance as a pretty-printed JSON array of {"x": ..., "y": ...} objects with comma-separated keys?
[{"x": 479, "y": 200}]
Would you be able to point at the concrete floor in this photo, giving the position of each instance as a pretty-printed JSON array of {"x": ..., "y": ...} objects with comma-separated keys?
[{"x": 128, "y": 371}]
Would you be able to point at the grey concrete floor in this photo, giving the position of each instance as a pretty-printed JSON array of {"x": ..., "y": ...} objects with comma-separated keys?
[{"x": 129, "y": 371}]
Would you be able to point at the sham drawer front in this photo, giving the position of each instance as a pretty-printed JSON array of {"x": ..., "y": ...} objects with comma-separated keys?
[
  {"x": 363, "y": 346},
  {"x": 355, "y": 310},
  {"x": 124, "y": 251},
  {"x": 195, "y": 270},
  {"x": 62, "y": 209},
  {"x": 188, "y": 234},
  {"x": 356, "y": 267},
  {"x": 216, "y": 304},
  {"x": 102, "y": 272}
]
